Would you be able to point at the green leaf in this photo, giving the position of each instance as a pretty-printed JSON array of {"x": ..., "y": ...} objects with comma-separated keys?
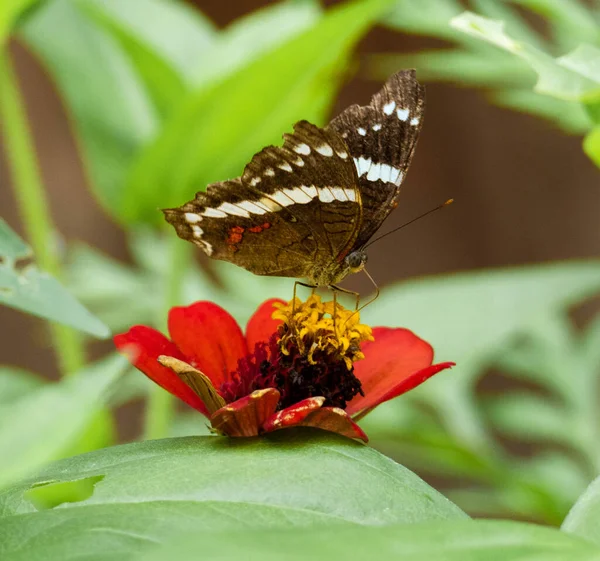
[
  {"x": 37, "y": 427},
  {"x": 573, "y": 77},
  {"x": 33, "y": 291},
  {"x": 591, "y": 145},
  {"x": 10, "y": 10},
  {"x": 153, "y": 491},
  {"x": 433, "y": 541},
  {"x": 584, "y": 518},
  {"x": 217, "y": 129},
  {"x": 112, "y": 113}
]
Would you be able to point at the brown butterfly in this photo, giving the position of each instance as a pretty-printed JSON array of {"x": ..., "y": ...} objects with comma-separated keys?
[{"x": 307, "y": 209}]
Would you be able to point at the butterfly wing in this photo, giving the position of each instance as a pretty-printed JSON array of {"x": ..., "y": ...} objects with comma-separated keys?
[
  {"x": 295, "y": 209},
  {"x": 382, "y": 137}
]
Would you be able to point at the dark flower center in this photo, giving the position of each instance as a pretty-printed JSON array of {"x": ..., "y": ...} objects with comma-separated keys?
[{"x": 295, "y": 375}]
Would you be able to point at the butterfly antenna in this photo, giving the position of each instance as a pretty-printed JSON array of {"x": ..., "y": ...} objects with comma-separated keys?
[{"x": 448, "y": 202}]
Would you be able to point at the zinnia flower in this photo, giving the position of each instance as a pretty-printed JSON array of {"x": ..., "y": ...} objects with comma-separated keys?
[{"x": 295, "y": 366}]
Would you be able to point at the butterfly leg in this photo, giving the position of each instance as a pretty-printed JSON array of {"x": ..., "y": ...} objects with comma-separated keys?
[
  {"x": 294, "y": 297},
  {"x": 335, "y": 289},
  {"x": 313, "y": 286}
]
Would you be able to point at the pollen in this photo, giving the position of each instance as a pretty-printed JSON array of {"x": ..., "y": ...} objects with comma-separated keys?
[{"x": 317, "y": 330}]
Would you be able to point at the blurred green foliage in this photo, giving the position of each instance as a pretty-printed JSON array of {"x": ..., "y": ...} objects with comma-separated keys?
[
  {"x": 502, "y": 46},
  {"x": 162, "y": 103},
  {"x": 158, "y": 120}
]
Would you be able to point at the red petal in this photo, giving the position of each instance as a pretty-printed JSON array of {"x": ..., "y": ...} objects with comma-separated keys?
[
  {"x": 393, "y": 364},
  {"x": 261, "y": 325},
  {"x": 142, "y": 346},
  {"x": 294, "y": 414},
  {"x": 413, "y": 381},
  {"x": 209, "y": 337},
  {"x": 336, "y": 420},
  {"x": 246, "y": 416}
]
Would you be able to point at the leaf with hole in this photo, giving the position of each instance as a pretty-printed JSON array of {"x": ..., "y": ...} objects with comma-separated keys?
[{"x": 153, "y": 491}]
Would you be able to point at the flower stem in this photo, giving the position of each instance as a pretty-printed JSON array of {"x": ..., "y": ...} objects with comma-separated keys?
[
  {"x": 32, "y": 204},
  {"x": 160, "y": 406}
]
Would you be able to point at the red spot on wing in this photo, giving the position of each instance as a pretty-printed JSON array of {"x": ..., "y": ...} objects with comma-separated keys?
[
  {"x": 258, "y": 229},
  {"x": 236, "y": 234}
]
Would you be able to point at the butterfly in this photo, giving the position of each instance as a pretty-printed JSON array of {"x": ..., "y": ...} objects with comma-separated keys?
[{"x": 308, "y": 208}]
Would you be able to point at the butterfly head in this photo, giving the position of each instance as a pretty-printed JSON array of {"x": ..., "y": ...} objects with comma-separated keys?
[{"x": 355, "y": 261}]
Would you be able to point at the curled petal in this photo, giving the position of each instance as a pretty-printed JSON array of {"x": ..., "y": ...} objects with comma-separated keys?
[
  {"x": 246, "y": 416},
  {"x": 198, "y": 382},
  {"x": 262, "y": 325},
  {"x": 336, "y": 420},
  {"x": 390, "y": 360},
  {"x": 143, "y": 345},
  {"x": 209, "y": 337},
  {"x": 294, "y": 414}
]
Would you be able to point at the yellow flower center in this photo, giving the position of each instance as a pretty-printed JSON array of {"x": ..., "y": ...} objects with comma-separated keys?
[{"x": 314, "y": 327}]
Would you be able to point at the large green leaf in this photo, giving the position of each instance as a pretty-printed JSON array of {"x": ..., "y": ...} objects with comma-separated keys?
[
  {"x": 584, "y": 517},
  {"x": 33, "y": 291},
  {"x": 38, "y": 426},
  {"x": 153, "y": 491},
  {"x": 217, "y": 129},
  {"x": 432, "y": 541}
]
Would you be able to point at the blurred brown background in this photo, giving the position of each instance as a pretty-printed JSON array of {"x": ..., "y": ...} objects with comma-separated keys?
[{"x": 525, "y": 192}]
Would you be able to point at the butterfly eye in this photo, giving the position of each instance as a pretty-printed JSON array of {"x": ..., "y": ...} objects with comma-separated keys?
[{"x": 356, "y": 260}]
